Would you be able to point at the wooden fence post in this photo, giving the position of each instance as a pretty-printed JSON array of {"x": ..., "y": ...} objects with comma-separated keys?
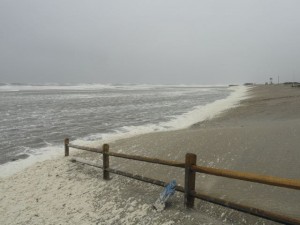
[
  {"x": 190, "y": 178},
  {"x": 105, "y": 161},
  {"x": 67, "y": 146}
]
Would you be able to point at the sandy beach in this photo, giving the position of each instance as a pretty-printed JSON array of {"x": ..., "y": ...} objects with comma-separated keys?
[{"x": 261, "y": 135}]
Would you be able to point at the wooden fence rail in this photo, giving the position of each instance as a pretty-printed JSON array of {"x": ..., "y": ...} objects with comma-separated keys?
[
  {"x": 274, "y": 181},
  {"x": 190, "y": 179}
]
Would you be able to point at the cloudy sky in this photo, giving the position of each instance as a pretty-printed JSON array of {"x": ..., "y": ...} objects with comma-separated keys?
[{"x": 149, "y": 41}]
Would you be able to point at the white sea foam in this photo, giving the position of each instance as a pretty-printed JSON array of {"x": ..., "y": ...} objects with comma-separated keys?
[{"x": 40, "y": 155}]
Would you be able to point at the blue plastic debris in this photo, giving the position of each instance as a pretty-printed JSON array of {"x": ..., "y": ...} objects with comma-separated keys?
[{"x": 168, "y": 191}]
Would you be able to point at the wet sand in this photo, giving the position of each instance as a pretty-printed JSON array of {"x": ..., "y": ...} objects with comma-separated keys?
[{"x": 260, "y": 136}]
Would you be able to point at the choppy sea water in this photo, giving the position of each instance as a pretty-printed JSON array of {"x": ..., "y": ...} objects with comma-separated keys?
[{"x": 36, "y": 119}]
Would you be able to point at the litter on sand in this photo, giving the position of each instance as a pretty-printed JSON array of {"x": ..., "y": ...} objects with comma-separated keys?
[{"x": 168, "y": 191}]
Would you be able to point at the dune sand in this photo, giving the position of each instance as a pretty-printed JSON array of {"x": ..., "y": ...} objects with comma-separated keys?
[{"x": 261, "y": 136}]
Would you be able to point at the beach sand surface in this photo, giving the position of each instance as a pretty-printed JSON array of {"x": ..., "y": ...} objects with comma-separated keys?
[{"x": 260, "y": 136}]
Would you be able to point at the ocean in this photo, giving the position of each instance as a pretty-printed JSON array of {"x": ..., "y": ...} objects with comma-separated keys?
[{"x": 35, "y": 119}]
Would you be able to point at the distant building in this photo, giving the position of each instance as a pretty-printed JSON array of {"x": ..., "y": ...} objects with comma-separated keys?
[{"x": 248, "y": 84}]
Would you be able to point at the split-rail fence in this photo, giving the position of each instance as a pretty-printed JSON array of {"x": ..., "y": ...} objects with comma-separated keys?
[{"x": 191, "y": 168}]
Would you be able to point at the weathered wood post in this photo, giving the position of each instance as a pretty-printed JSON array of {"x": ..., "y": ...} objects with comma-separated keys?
[
  {"x": 190, "y": 178},
  {"x": 105, "y": 161},
  {"x": 67, "y": 141}
]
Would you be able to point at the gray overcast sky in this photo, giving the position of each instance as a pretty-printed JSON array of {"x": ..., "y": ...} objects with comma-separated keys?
[{"x": 149, "y": 41}]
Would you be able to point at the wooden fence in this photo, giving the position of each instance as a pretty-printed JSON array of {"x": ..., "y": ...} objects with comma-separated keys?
[{"x": 191, "y": 169}]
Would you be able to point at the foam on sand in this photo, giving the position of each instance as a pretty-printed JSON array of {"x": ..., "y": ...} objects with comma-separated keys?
[
  {"x": 55, "y": 192},
  {"x": 41, "y": 154}
]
